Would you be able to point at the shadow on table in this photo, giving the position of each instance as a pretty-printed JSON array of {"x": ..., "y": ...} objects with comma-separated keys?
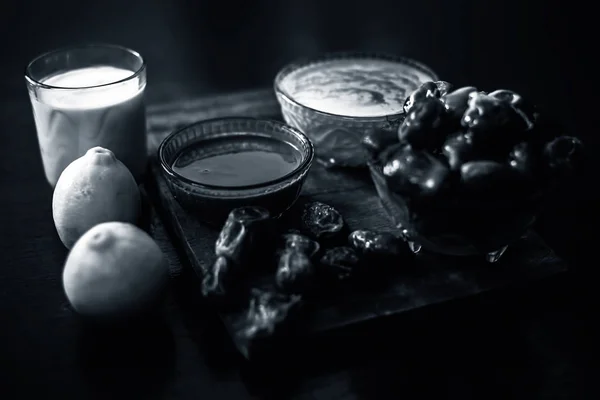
[
  {"x": 480, "y": 348},
  {"x": 487, "y": 347},
  {"x": 133, "y": 360},
  {"x": 467, "y": 359},
  {"x": 515, "y": 345},
  {"x": 433, "y": 353}
]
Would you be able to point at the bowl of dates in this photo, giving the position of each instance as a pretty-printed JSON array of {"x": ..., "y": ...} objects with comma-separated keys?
[
  {"x": 337, "y": 98},
  {"x": 467, "y": 171}
]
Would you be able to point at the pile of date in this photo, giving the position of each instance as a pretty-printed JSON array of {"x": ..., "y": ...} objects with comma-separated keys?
[
  {"x": 460, "y": 145},
  {"x": 467, "y": 146},
  {"x": 272, "y": 268}
]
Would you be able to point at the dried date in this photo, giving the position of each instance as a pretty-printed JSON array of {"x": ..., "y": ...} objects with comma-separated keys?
[
  {"x": 378, "y": 140},
  {"x": 378, "y": 246},
  {"x": 340, "y": 263},
  {"x": 322, "y": 222},
  {"x": 427, "y": 124},
  {"x": 564, "y": 156},
  {"x": 267, "y": 312},
  {"x": 299, "y": 242},
  {"x": 217, "y": 280},
  {"x": 415, "y": 173},
  {"x": 241, "y": 233},
  {"x": 295, "y": 271},
  {"x": 425, "y": 91}
]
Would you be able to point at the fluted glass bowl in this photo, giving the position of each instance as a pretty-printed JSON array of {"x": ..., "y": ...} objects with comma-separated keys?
[
  {"x": 337, "y": 137},
  {"x": 212, "y": 203},
  {"x": 454, "y": 229}
]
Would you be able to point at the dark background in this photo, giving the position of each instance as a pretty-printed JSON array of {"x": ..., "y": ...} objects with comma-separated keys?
[{"x": 543, "y": 49}]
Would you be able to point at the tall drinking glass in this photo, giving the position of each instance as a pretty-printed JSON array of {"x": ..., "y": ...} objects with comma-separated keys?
[{"x": 89, "y": 96}]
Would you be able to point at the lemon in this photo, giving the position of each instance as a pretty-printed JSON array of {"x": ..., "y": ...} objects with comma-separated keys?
[
  {"x": 115, "y": 269},
  {"x": 94, "y": 188}
]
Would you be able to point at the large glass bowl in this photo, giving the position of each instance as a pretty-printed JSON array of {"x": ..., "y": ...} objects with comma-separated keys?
[
  {"x": 337, "y": 138},
  {"x": 213, "y": 203},
  {"x": 454, "y": 229}
]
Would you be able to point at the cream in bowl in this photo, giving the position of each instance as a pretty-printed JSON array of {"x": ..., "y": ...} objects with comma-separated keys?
[{"x": 338, "y": 98}]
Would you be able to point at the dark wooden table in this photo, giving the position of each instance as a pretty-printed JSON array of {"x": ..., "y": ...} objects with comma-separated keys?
[{"x": 532, "y": 343}]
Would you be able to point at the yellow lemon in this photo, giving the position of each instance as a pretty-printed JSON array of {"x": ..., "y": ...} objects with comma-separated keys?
[
  {"x": 115, "y": 270},
  {"x": 94, "y": 188}
]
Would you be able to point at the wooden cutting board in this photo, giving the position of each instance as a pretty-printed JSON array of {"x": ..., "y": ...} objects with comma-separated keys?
[{"x": 432, "y": 279}]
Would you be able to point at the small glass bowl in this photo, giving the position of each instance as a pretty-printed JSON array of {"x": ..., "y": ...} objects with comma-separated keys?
[
  {"x": 212, "y": 203},
  {"x": 455, "y": 231},
  {"x": 337, "y": 138}
]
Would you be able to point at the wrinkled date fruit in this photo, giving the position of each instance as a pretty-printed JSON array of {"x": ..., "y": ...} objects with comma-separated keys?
[
  {"x": 564, "y": 155},
  {"x": 295, "y": 271},
  {"x": 340, "y": 263},
  {"x": 378, "y": 246},
  {"x": 515, "y": 100},
  {"x": 495, "y": 120},
  {"x": 301, "y": 243},
  {"x": 240, "y": 233},
  {"x": 217, "y": 280},
  {"x": 267, "y": 312},
  {"x": 443, "y": 87},
  {"x": 427, "y": 89},
  {"x": 378, "y": 140},
  {"x": 458, "y": 149},
  {"x": 393, "y": 165},
  {"x": 321, "y": 221},
  {"x": 457, "y": 102},
  {"x": 425, "y": 127},
  {"x": 525, "y": 157},
  {"x": 415, "y": 172},
  {"x": 489, "y": 182}
]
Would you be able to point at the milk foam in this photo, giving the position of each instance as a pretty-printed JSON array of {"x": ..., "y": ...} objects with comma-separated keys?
[{"x": 82, "y": 95}]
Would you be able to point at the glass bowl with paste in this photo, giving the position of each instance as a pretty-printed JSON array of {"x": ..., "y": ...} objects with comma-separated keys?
[
  {"x": 214, "y": 166},
  {"x": 338, "y": 98}
]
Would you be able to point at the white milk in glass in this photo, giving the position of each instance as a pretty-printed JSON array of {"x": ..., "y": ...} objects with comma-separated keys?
[{"x": 71, "y": 121}]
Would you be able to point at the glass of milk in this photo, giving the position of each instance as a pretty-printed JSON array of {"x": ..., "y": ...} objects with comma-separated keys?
[{"x": 89, "y": 96}]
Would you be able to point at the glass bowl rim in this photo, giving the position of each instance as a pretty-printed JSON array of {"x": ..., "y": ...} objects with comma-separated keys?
[
  {"x": 307, "y": 157},
  {"x": 341, "y": 55},
  {"x": 37, "y": 83}
]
